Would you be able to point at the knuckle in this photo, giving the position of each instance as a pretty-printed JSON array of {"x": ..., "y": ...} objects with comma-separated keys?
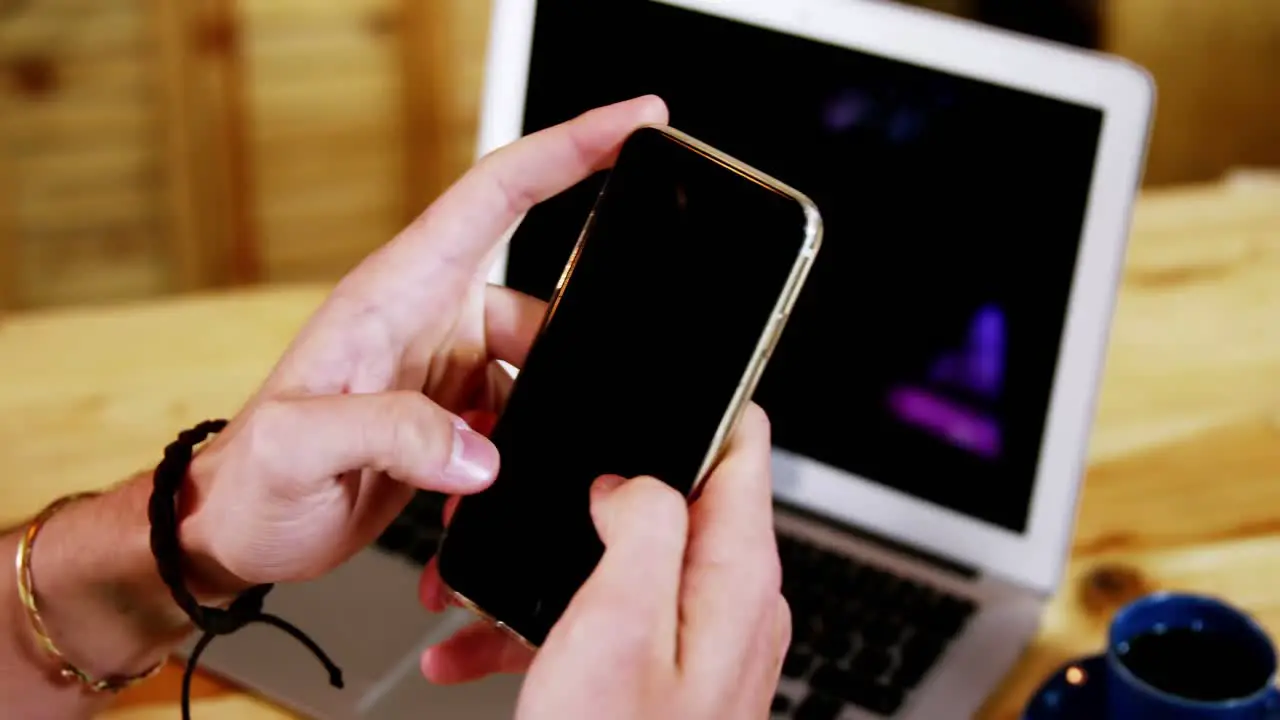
[
  {"x": 664, "y": 506},
  {"x": 772, "y": 574},
  {"x": 756, "y": 577},
  {"x": 268, "y": 434},
  {"x": 758, "y": 580},
  {"x": 762, "y": 580},
  {"x": 414, "y": 432},
  {"x": 785, "y": 621},
  {"x": 514, "y": 196},
  {"x": 605, "y": 624},
  {"x": 631, "y": 639}
]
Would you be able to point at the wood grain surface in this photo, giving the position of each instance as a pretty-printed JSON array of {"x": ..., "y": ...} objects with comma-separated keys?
[
  {"x": 1182, "y": 491},
  {"x": 84, "y": 187}
]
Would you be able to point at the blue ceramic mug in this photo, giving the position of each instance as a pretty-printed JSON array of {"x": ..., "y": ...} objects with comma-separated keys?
[{"x": 1186, "y": 657}]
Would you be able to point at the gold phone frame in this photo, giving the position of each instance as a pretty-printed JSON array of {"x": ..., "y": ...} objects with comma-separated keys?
[{"x": 764, "y": 347}]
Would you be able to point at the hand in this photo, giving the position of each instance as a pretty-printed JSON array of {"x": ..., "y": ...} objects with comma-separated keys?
[
  {"x": 366, "y": 404},
  {"x": 683, "y": 617}
]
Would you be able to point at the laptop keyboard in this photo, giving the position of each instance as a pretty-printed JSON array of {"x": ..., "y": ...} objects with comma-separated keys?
[
  {"x": 861, "y": 636},
  {"x": 415, "y": 533}
]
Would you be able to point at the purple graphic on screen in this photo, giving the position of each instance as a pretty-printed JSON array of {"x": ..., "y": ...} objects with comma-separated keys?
[
  {"x": 905, "y": 125},
  {"x": 976, "y": 369},
  {"x": 961, "y": 426},
  {"x": 845, "y": 110}
]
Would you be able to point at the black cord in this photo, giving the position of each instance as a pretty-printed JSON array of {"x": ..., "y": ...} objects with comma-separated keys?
[{"x": 212, "y": 621}]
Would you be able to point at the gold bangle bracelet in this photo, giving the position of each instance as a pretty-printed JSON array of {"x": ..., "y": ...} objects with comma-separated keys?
[{"x": 26, "y": 593}]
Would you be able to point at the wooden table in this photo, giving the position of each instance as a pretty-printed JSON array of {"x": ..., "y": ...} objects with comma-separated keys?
[{"x": 1183, "y": 489}]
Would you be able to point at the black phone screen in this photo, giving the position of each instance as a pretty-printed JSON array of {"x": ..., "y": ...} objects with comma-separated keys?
[{"x": 673, "y": 287}]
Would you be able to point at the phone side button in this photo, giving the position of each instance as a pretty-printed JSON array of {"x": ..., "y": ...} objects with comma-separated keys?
[{"x": 778, "y": 322}]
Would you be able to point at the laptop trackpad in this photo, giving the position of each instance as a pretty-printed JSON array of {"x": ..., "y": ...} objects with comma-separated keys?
[{"x": 365, "y": 615}]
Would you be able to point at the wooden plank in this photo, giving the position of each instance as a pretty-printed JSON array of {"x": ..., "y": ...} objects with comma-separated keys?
[
  {"x": 361, "y": 148},
  {"x": 9, "y": 275},
  {"x": 77, "y": 29},
  {"x": 77, "y": 125},
  {"x": 443, "y": 46},
  {"x": 418, "y": 37},
  {"x": 109, "y": 205},
  {"x": 327, "y": 137},
  {"x": 322, "y": 246},
  {"x": 218, "y": 157},
  {"x": 316, "y": 102},
  {"x": 188, "y": 254},
  {"x": 107, "y": 78},
  {"x": 82, "y": 187},
  {"x": 307, "y": 15},
  {"x": 207, "y": 156},
  {"x": 245, "y": 264},
  {"x": 84, "y": 283}
]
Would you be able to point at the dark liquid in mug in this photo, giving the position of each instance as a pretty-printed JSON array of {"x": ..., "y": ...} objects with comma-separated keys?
[{"x": 1195, "y": 664}]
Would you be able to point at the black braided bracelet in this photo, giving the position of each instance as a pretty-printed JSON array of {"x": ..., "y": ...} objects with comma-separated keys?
[{"x": 212, "y": 621}]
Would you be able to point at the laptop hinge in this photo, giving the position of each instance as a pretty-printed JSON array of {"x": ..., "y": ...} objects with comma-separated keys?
[{"x": 967, "y": 572}]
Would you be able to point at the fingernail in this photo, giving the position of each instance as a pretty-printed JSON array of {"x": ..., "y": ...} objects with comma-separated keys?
[
  {"x": 606, "y": 484},
  {"x": 601, "y": 489},
  {"x": 431, "y": 665},
  {"x": 474, "y": 460}
]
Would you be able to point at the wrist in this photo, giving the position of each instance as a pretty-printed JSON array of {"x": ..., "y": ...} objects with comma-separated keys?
[
  {"x": 208, "y": 579},
  {"x": 101, "y": 602}
]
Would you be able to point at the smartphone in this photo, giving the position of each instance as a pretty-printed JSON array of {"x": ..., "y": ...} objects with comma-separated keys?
[{"x": 659, "y": 328}]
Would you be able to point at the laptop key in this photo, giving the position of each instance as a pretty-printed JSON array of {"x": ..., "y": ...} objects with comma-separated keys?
[
  {"x": 830, "y": 679},
  {"x": 415, "y": 533},
  {"x": 863, "y": 635},
  {"x": 884, "y": 632},
  {"x": 797, "y": 663},
  {"x": 870, "y": 662},
  {"x": 810, "y": 622},
  {"x": 395, "y": 538},
  {"x": 423, "y": 548},
  {"x": 833, "y": 645},
  {"x": 877, "y": 582},
  {"x": 882, "y": 698},
  {"x": 818, "y": 707},
  {"x": 850, "y": 685},
  {"x": 919, "y": 653}
]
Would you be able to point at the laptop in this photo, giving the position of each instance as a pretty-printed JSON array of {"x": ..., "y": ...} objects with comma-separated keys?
[{"x": 932, "y": 396}]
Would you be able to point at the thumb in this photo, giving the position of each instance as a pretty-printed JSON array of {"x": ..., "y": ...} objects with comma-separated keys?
[
  {"x": 644, "y": 525},
  {"x": 403, "y": 434}
]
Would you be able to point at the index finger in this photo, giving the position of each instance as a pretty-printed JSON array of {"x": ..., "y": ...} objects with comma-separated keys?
[
  {"x": 732, "y": 574},
  {"x": 430, "y": 264}
]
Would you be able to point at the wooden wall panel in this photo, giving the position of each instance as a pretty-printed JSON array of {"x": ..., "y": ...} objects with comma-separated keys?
[
  {"x": 9, "y": 277},
  {"x": 444, "y": 53},
  {"x": 327, "y": 132},
  {"x": 1216, "y": 64},
  {"x": 154, "y": 146},
  {"x": 191, "y": 264},
  {"x": 84, "y": 180},
  {"x": 208, "y": 97},
  {"x": 151, "y": 146}
]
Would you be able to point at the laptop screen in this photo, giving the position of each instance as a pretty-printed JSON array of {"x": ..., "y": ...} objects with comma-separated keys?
[{"x": 922, "y": 351}]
